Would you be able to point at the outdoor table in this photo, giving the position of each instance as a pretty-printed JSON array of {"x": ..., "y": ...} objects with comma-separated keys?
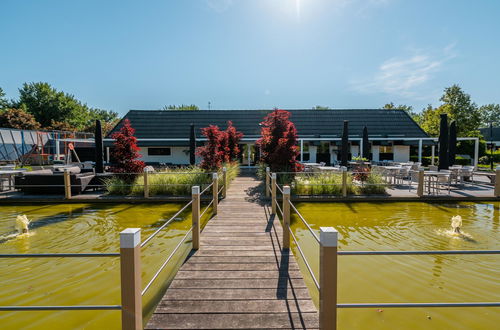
[
  {"x": 392, "y": 170},
  {"x": 10, "y": 174},
  {"x": 433, "y": 174}
]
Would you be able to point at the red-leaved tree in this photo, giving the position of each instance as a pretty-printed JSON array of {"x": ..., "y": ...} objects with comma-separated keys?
[
  {"x": 233, "y": 140},
  {"x": 278, "y": 142},
  {"x": 213, "y": 152},
  {"x": 125, "y": 151}
]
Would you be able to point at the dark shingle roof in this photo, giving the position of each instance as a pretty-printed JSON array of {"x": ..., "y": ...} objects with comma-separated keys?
[
  {"x": 487, "y": 136},
  {"x": 150, "y": 124}
]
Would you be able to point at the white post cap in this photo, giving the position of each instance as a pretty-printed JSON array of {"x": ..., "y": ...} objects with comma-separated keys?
[
  {"x": 286, "y": 190},
  {"x": 215, "y": 175},
  {"x": 344, "y": 169},
  {"x": 498, "y": 168},
  {"x": 224, "y": 169},
  {"x": 130, "y": 238},
  {"x": 268, "y": 169},
  {"x": 195, "y": 190},
  {"x": 273, "y": 175},
  {"x": 328, "y": 236}
]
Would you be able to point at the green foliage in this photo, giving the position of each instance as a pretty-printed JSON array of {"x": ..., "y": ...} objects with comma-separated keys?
[
  {"x": 52, "y": 108},
  {"x": 490, "y": 113},
  {"x": 4, "y": 103},
  {"x": 189, "y": 107},
  {"x": 459, "y": 107},
  {"x": 18, "y": 118},
  {"x": 331, "y": 184},
  {"x": 320, "y": 107},
  {"x": 171, "y": 182}
]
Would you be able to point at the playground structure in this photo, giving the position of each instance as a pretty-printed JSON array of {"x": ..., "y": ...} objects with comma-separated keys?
[{"x": 30, "y": 147}]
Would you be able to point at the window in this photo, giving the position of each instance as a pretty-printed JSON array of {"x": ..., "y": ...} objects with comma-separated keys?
[
  {"x": 385, "y": 149},
  {"x": 159, "y": 152}
]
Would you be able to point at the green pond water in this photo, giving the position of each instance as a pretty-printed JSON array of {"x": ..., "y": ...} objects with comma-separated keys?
[
  {"x": 79, "y": 228},
  {"x": 429, "y": 278}
]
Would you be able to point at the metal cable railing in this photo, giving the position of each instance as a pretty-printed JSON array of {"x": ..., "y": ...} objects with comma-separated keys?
[
  {"x": 59, "y": 255},
  {"x": 304, "y": 221},
  {"x": 432, "y": 252},
  {"x": 206, "y": 208},
  {"x": 155, "y": 276},
  {"x": 172, "y": 218},
  {"x": 208, "y": 187},
  {"x": 305, "y": 260}
]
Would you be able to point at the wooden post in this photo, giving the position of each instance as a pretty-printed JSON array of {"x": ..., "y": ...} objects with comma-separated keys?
[
  {"x": 286, "y": 217},
  {"x": 146, "y": 186},
  {"x": 195, "y": 216},
  {"x": 67, "y": 184},
  {"x": 130, "y": 274},
  {"x": 420, "y": 187},
  {"x": 344, "y": 181},
  {"x": 224, "y": 182},
  {"x": 328, "y": 238},
  {"x": 497, "y": 182},
  {"x": 215, "y": 192},
  {"x": 273, "y": 193},
  {"x": 268, "y": 181}
]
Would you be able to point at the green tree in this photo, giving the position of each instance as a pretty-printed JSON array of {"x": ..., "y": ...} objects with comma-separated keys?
[
  {"x": 181, "y": 107},
  {"x": 320, "y": 107},
  {"x": 459, "y": 107},
  {"x": 490, "y": 113},
  {"x": 4, "y": 103},
  {"x": 18, "y": 118}
]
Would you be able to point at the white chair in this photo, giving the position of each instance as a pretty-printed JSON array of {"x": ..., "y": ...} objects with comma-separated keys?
[
  {"x": 442, "y": 180},
  {"x": 413, "y": 177}
]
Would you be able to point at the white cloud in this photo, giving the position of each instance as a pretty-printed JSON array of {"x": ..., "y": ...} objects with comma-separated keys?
[
  {"x": 404, "y": 76},
  {"x": 219, "y": 6}
]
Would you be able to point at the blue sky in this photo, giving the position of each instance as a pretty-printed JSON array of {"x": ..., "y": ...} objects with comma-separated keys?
[{"x": 239, "y": 54}]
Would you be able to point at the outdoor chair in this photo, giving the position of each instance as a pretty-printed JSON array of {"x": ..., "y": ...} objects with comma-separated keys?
[
  {"x": 442, "y": 180},
  {"x": 433, "y": 168},
  {"x": 401, "y": 175},
  {"x": 413, "y": 177}
]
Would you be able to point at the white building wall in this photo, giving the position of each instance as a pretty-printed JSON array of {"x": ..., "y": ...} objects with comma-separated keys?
[
  {"x": 312, "y": 153},
  {"x": 178, "y": 156},
  {"x": 401, "y": 153},
  {"x": 375, "y": 153},
  {"x": 354, "y": 151}
]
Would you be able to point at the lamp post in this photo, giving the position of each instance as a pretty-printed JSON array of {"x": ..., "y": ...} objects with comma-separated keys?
[{"x": 491, "y": 146}]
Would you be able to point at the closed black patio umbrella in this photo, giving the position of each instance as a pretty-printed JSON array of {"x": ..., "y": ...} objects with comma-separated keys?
[
  {"x": 344, "y": 148},
  {"x": 192, "y": 146},
  {"x": 366, "y": 144},
  {"x": 443, "y": 142},
  {"x": 452, "y": 148},
  {"x": 99, "y": 148}
]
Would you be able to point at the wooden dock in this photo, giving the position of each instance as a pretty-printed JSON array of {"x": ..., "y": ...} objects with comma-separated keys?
[{"x": 239, "y": 278}]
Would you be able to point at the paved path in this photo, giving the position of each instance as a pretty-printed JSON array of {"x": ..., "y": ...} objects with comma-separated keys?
[{"x": 239, "y": 279}]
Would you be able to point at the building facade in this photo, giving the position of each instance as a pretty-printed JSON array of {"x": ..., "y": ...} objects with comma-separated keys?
[{"x": 163, "y": 135}]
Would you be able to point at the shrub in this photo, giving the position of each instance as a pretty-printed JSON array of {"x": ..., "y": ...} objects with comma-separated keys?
[
  {"x": 18, "y": 118},
  {"x": 126, "y": 152},
  {"x": 278, "y": 142}
]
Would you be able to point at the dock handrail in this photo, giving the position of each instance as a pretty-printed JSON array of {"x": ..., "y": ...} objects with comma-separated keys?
[
  {"x": 328, "y": 264},
  {"x": 130, "y": 257}
]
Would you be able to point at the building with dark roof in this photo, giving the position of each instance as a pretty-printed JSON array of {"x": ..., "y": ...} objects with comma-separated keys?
[
  {"x": 491, "y": 136},
  {"x": 163, "y": 135}
]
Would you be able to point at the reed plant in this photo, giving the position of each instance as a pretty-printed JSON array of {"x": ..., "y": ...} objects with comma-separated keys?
[
  {"x": 170, "y": 182},
  {"x": 331, "y": 184}
]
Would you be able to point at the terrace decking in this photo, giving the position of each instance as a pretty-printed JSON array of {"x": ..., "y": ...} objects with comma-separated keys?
[{"x": 239, "y": 278}]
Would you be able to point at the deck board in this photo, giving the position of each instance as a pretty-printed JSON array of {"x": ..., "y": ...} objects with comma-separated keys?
[{"x": 239, "y": 278}]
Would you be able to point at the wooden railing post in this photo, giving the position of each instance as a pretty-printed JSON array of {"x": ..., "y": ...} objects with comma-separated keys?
[
  {"x": 146, "y": 186},
  {"x": 344, "y": 181},
  {"x": 130, "y": 274},
  {"x": 215, "y": 192},
  {"x": 420, "y": 187},
  {"x": 268, "y": 181},
  {"x": 286, "y": 217},
  {"x": 224, "y": 182},
  {"x": 328, "y": 237},
  {"x": 273, "y": 193},
  {"x": 67, "y": 184},
  {"x": 195, "y": 216},
  {"x": 497, "y": 182}
]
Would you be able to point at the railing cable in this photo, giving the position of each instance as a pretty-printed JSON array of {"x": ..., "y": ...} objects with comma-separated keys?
[
  {"x": 304, "y": 258},
  {"x": 304, "y": 221}
]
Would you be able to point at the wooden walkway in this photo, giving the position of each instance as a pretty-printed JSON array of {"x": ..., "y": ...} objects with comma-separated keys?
[{"x": 240, "y": 278}]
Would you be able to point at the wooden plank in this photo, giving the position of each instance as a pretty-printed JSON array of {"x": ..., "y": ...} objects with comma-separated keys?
[
  {"x": 237, "y": 306},
  {"x": 266, "y": 283},
  {"x": 236, "y": 294},
  {"x": 236, "y": 274},
  {"x": 236, "y": 266},
  {"x": 234, "y": 321},
  {"x": 229, "y": 259}
]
